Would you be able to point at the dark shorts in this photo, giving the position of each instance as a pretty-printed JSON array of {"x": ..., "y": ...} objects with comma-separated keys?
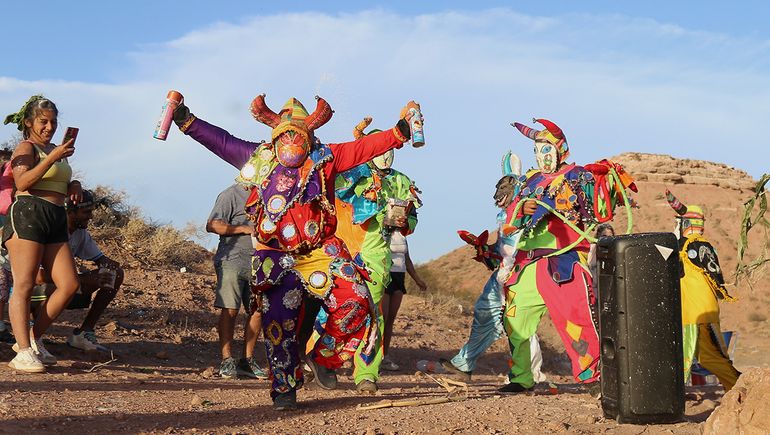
[
  {"x": 396, "y": 283},
  {"x": 36, "y": 219}
]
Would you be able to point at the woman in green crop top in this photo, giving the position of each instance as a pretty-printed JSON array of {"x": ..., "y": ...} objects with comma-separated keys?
[{"x": 35, "y": 232}]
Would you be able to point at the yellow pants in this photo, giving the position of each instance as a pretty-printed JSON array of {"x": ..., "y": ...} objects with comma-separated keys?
[{"x": 711, "y": 352}]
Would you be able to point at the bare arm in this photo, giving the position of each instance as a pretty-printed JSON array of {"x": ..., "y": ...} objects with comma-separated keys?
[
  {"x": 413, "y": 273},
  {"x": 27, "y": 171},
  {"x": 222, "y": 228}
]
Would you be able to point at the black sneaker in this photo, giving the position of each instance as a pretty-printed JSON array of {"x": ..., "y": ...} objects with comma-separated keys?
[
  {"x": 452, "y": 370},
  {"x": 285, "y": 401},
  {"x": 325, "y": 377},
  {"x": 514, "y": 388},
  {"x": 228, "y": 369},
  {"x": 250, "y": 368},
  {"x": 7, "y": 337},
  {"x": 366, "y": 387}
]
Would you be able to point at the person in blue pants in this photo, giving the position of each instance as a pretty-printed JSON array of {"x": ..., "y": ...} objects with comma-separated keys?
[{"x": 487, "y": 326}]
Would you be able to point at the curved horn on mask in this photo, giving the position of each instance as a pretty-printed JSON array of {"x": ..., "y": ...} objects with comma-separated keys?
[
  {"x": 551, "y": 127},
  {"x": 358, "y": 130},
  {"x": 678, "y": 207},
  {"x": 262, "y": 113},
  {"x": 320, "y": 116},
  {"x": 511, "y": 164},
  {"x": 526, "y": 131}
]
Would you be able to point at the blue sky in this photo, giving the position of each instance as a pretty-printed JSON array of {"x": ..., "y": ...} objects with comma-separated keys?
[{"x": 688, "y": 79}]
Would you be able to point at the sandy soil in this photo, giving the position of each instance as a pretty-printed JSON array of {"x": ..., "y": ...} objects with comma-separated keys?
[{"x": 162, "y": 332}]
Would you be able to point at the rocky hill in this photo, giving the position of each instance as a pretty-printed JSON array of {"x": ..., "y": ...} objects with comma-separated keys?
[{"x": 720, "y": 189}]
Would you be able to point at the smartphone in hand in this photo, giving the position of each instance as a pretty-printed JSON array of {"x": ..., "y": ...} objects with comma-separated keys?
[{"x": 71, "y": 133}]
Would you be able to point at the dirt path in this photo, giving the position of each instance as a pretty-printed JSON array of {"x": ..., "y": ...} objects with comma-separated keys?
[{"x": 162, "y": 333}]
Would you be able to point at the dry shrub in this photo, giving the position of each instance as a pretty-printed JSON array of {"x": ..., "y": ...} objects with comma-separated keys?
[{"x": 160, "y": 245}]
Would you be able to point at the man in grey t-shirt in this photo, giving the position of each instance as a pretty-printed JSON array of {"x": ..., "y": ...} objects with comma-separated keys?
[{"x": 233, "y": 266}]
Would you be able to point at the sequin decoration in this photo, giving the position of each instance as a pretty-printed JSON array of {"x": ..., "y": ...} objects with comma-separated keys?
[
  {"x": 311, "y": 228},
  {"x": 292, "y": 299},
  {"x": 287, "y": 261},
  {"x": 289, "y": 325},
  {"x": 266, "y": 154},
  {"x": 274, "y": 333},
  {"x": 361, "y": 290},
  {"x": 331, "y": 301},
  {"x": 289, "y": 231},
  {"x": 276, "y": 203},
  {"x": 318, "y": 279}
]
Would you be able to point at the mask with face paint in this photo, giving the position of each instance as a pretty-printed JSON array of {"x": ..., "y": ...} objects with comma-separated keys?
[
  {"x": 551, "y": 149},
  {"x": 293, "y": 128},
  {"x": 384, "y": 161},
  {"x": 546, "y": 156}
]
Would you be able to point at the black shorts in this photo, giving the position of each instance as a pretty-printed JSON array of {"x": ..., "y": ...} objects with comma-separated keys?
[
  {"x": 396, "y": 283},
  {"x": 36, "y": 219}
]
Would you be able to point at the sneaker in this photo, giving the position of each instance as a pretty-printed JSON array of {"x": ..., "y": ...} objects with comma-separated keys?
[
  {"x": 227, "y": 369},
  {"x": 85, "y": 340},
  {"x": 285, "y": 401},
  {"x": 389, "y": 365},
  {"x": 248, "y": 367},
  {"x": 309, "y": 376},
  {"x": 366, "y": 387},
  {"x": 452, "y": 370},
  {"x": 325, "y": 377},
  {"x": 7, "y": 337},
  {"x": 41, "y": 352},
  {"x": 513, "y": 387},
  {"x": 26, "y": 361}
]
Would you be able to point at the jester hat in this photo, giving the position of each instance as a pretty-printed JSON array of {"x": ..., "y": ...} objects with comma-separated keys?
[
  {"x": 692, "y": 215},
  {"x": 552, "y": 134}
]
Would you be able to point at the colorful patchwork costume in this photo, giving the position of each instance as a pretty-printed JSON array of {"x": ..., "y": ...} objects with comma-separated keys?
[
  {"x": 365, "y": 192},
  {"x": 295, "y": 221},
  {"x": 487, "y": 324},
  {"x": 549, "y": 271},
  {"x": 702, "y": 286}
]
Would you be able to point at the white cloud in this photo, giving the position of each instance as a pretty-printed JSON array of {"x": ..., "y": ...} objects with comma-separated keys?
[{"x": 613, "y": 84}]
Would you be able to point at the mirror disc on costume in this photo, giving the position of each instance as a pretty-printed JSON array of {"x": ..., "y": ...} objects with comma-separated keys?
[
  {"x": 539, "y": 190},
  {"x": 267, "y": 226},
  {"x": 526, "y": 191},
  {"x": 348, "y": 270},
  {"x": 311, "y": 228},
  {"x": 317, "y": 279},
  {"x": 248, "y": 171},
  {"x": 276, "y": 203},
  {"x": 266, "y": 154},
  {"x": 289, "y": 231},
  {"x": 331, "y": 250}
]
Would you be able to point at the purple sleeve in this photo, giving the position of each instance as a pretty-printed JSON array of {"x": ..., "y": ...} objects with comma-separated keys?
[{"x": 229, "y": 148}]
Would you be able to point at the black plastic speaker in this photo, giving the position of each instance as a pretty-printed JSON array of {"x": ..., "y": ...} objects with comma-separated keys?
[{"x": 640, "y": 318}]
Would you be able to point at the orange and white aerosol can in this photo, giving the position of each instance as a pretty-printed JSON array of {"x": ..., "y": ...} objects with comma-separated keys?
[{"x": 173, "y": 100}]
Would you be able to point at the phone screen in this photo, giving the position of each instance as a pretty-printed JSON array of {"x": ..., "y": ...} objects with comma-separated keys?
[{"x": 71, "y": 133}]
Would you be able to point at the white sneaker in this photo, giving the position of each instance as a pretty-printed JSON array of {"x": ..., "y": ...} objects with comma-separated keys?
[
  {"x": 41, "y": 352},
  {"x": 26, "y": 361},
  {"x": 86, "y": 340}
]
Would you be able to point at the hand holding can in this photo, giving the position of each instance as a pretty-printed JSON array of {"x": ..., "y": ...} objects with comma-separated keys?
[
  {"x": 107, "y": 277},
  {"x": 173, "y": 99}
]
